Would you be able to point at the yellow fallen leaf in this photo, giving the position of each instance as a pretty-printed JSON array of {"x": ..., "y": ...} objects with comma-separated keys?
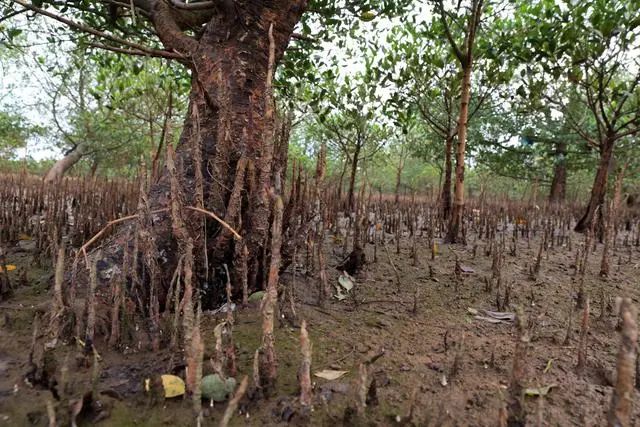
[
  {"x": 10, "y": 267},
  {"x": 173, "y": 386},
  {"x": 329, "y": 374},
  {"x": 23, "y": 236},
  {"x": 540, "y": 391}
]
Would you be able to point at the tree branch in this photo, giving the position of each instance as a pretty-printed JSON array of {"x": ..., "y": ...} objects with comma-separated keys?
[
  {"x": 435, "y": 125},
  {"x": 618, "y": 110},
  {"x": 89, "y": 30},
  {"x": 54, "y": 112},
  {"x": 447, "y": 32},
  {"x": 481, "y": 101},
  {"x": 12, "y": 14},
  {"x": 169, "y": 31},
  {"x": 601, "y": 95},
  {"x": 302, "y": 37},
  {"x": 135, "y": 52},
  {"x": 632, "y": 131}
]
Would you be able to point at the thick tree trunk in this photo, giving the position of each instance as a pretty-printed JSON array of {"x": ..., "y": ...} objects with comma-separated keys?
[
  {"x": 446, "y": 185},
  {"x": 352, "y": 179},
  {"x": 227, "y": 143},
  {"x": 60, "y": 167},
  {"x": 455, "y": 223},
  {"x": 599, "y": 188},
  {"x": 559, "y": 182}
]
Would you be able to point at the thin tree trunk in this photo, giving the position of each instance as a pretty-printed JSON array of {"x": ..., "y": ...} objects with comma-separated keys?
[
  {"x": 341, "y": 183},
  {"x": 94, "y": 168},
  {"x": 352, "y": 179},
  {"x": 398, "y": 182},
  {"x": 446, "y": 186},
  {"x": 454, "y": 232},
  {"x": 399, "y": 169},
  {"x": 559, "y": 183},
  {"x": 455, "y": 223},
  {"x": 599, "y": 188},
  {"x": 611, "y": 221}
]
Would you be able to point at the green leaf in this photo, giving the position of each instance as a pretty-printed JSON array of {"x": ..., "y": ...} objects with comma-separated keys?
[{"x": 216, "y": 389}]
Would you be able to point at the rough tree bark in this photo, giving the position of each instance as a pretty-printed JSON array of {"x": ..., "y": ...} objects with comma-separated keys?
[
  {"x": 599, "y": 188},
  {"x": 559, "y": 182},
  {"x": 225, "y": 128}
]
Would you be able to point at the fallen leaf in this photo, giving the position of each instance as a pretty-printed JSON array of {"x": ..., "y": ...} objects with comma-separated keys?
[
  {"x": 501, "y": 315},
  {"x": 539, "y": 391},
  {"x": 443, "y": 380},
  {"x": 346, "y": 281},
  {"x": 340, "y": 296},
  {"x": 217, "y": 389},
  {"x": 330, "y": 374},
  {"x": 173, "y": 386},
  {"x": 492, "y": 316},
  {"x": 489, "y": 319},
  {"x": 10, "y": 267},
  {"x": 256, "y": 296}
]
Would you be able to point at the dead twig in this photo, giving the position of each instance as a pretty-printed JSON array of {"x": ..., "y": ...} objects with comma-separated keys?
[
  {"x": 217, "y": 218},
  {"x": 233, "y": 403}
]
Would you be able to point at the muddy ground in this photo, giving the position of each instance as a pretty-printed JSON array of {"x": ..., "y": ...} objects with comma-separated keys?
[{"x": 419, "y": 347}]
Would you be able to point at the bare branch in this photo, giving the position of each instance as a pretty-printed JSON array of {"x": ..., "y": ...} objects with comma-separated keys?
[
  {"x": 302, "y": 37},
  {"x": 617, "y": 112},
  {"x": 12, "y": 14},
  {"x": 89, "y": 30},
  {"x": 135, "y": 52}
]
